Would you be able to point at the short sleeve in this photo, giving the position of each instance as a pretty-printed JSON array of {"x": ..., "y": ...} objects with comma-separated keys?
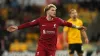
[{"x": 81, "y": 23}]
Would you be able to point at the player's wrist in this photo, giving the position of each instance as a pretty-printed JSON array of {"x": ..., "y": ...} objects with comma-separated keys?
[
  {"x": 77, "y": 27},
  {"x": 17, "y": 27},
  {"x": 86, "y": 38}
]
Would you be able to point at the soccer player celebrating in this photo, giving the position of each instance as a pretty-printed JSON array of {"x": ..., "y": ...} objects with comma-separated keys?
[
  {"x": 74, "y": 35},
  {"x": 48, "y": 30}
]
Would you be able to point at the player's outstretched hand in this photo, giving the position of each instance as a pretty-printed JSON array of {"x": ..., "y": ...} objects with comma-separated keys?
[
  {"x": 82, "y": 27},
  {"x": 12, "y": 28}
]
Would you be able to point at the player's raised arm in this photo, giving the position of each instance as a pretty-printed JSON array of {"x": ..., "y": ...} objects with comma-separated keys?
[{"x": 25, "y": 25}]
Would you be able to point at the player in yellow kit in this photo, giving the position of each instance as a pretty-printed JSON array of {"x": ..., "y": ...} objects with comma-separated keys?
[{"x": 74, "y": 35}]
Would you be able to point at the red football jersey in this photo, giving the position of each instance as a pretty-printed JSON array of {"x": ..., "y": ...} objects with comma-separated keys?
[{"x": 48, "y": 30}]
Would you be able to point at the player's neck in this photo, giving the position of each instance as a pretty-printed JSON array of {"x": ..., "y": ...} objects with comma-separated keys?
[
  {"x": 49, "y": 18},
  {"x": 74, "y": 18}
]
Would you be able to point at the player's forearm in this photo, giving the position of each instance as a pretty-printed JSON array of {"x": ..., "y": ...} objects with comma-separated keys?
[
  {"x": 64, "y": 36},
  {"x": 72, "y": 25},
  {"x": 84, "y": 34},
  {"x": 68, "y": 24},
  {"x": 25, "y": 25}
]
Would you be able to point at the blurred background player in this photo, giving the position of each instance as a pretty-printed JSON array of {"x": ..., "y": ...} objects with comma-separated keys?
[
  {"x": 74, "y": 35},
  {"x": 48, "y": 30}
]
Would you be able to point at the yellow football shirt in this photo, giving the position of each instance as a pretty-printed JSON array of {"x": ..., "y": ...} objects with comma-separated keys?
[{"x": 73, "y": 35}]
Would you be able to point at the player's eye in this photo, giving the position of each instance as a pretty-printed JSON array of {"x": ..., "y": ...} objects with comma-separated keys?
[{"x": 53, "y": 9}]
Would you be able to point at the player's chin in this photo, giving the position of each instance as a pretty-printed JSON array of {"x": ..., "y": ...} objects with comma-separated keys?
[
  {"x": 53, "y": 16},
  {"x": 74, "y": 16}
]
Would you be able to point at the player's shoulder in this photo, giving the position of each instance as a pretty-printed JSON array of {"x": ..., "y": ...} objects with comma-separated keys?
[
  {"x": 42, "y": 17},
  {"x": 58, "y": 18},
  {"x": 79, "y": 20},
  {"x": 38, "y": 19},
  {"x": 69, "y": 20}
]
